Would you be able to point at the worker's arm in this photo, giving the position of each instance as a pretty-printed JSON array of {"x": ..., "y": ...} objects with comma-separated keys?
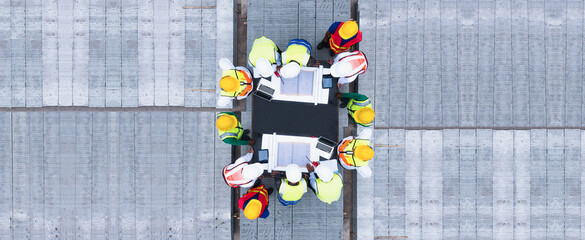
[
  {"x": 245, "y": 158},
  {"x": 237, "y": 142},
  {"x": 354, "y": 96},
  {"x": 343, "y": 80},
  {"x": 365, "y": 134},
  {"x": 313, "y": 182},
  {"x": 277, "y": 181}
]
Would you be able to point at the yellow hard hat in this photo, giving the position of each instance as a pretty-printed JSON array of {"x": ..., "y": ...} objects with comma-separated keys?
[
  {"x": 226, "y": 122},
  {"x": 229, "y": 83},
  {"x": 363, "y": 152},
  {"x": 252, "y": 209},
  {"x": 348, "y": 29},
  {"x": 365, "y": 115}
]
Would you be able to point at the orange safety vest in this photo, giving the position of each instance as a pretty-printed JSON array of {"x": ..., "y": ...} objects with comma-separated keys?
[
  {"x": 245, "y": 83},
  {"x": 234, "y": 177},
  {"x": 335, "y": 41},
  {"x": 262, "y": 197},
  {"x": 358, "y": 62},
  {"x": 350, "y": 159}
]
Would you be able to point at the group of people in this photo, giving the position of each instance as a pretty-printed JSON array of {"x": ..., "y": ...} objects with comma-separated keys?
[{"x": 266, "y": 60}]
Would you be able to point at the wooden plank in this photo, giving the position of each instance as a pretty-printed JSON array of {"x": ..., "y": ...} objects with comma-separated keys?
[
  {"x": 174, "y": 174},
  {"x": 50, "y": 54},
  {"x": 555, "y": 183},
  {"x": 65, "y": 37},
  {"x": 6, "y": 175},
  {"x": 127, "y": 194},
  {"x": 555, "y": 41},
  {"x": 80, "y": 81},
  {"x": 432, "y": 184},
  {"x": 485, "y": 63},
  {"x": 412, "y": 185},
  {"x": 382, "y": 186},
  {"x": 222, "y": 209},
  {"x": 367, "y": 24},
  {"x": 397, "y": 165},
  {"x": 432, "y": 64},
  {"x": 484, "y": 207},
  {"x": 582, "y": 195},
  {"x": 18, "y": 61},
  {"x": 130, "y": 60},
  {"x": 572, "y": 174},
  {"x": 414, "y": 63},
  {"x": 51, "y": 176},
  {"x": 255, "y": 20},
  {"x": 5, "y": 54},
  {"x": 204, "y": 176},
  {"x": 468, "y": 184},
  {"x": 398, "y": 49},
  {"x": 113, "y": 54},
  {"x": 33, "y": 51},
  {"x": 574, "y": 64},
  {"x": 520, "y": 67},
  {"x": 67, "y": 166},
  {"x": 21, "y": 211},
  {"x": 450, "y": 183},
  {"x": 176, "y": 54},
  {"x": 190, "y": 166},
  {"x": 99, "y": 176},
  {"x": 113, "y": 173},
  {"x": 536, "y": 62},
  {"x": 288, "y": 24},
  {"x": 97, "y": 53},
  {"x": 143, "y": 180},
  {"x": 467, "y": 36},
  {"x": 503, "y": 67},
  {"x": 193, "y": 56},
  {"x": 380, "y": 94},
  {"x": 334, "y": 219},
  {"x": 209, "y": 65},
  {"x": 83, "y": 146},
  {"x": 449, "y": 92},
  {"x": 35, "y": 155},
  {"x": 323, "y": 19},
  {"x": 521, "y": 185},
  {"x": 158, "y": 126},
  {"x": 161, "y": 52},
  {"x": 278, "y": 224},
  {"x": 503, "y": 180},
  {"x": 538, "y": 150},
  {"x": 341, "y": 10},
  {"x": 225, "y": 41},
  {"x": 146, "y": 54}
]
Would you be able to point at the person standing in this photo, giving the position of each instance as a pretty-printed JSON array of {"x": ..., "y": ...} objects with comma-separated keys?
[
  {"x": 230, "y": 129},
  {"x": 291, "y": 189},
  {"x": 356, "y": 153},
  {"x": 242, "y": 174},
  {"x": 263, "y": 56},
  {"x": 326, "y": 184},
  {"x": 341, "y": 36},
  {"x": 255, "y": 202},
  {"x": 359, "y": 108},
  {"x": 347, "y": 66},
  {"x": 297, "y": 55}
]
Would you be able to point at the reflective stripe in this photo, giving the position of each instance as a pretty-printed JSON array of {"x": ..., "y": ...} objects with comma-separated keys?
[
  {"x": 296, "y": 52},
  {"x": 236, "y": 132},
  {"x": 346, "y": 149},
  {"x": 244, "y": 79},
  {"x": 228, "y": 134},
  {"x": 233, "y": 177},
  {"x": 362, "y": 104}
]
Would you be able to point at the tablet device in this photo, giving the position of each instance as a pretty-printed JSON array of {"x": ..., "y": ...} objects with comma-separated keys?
[
  {"x": 327, "y": 82},
  {"x": 263, "y": 155}
]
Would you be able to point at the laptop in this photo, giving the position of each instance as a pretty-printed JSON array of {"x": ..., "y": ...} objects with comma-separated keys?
[
  {"x": 264, "y": 92},
  {"x": 325, "y": 145}
]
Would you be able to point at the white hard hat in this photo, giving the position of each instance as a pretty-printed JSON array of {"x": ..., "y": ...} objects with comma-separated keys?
[
  {"x": 293, "y": 173},
  {"x": 264, "y": 67},
  {"x": 340, "y": 69},
  {"x": 290, "y": 70},
  {"x": 324, "y": 172},
  {"x": 252, "y": 171}
]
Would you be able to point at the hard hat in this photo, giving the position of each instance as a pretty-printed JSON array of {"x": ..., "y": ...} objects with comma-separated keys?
[
  {"x": 252, "y": 209},
  {"x": 264, "y": 67},
  {"x": 226, "y": 122},
  {"x": 364, "y": 152},
  {"x": 229, "y": 83},
  {"x": 325, "y": 173},
  {"x": 293, "y": 173},
  {"x": 252, "y": 171},
  {"x": 365, "y": 115},
  {"x": 348, "y": 29},
  {"x": 340, "y": 69},
  {"x": 290, "y": 70}
]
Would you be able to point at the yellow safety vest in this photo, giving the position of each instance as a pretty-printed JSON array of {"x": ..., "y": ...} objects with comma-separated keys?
[
  {"x": 236, "y": 132},
  {"x": 245, "y": 82},
  {"x": 262, "y": 48},
  {"x": 297, "y": 53},
  {"x": 354, "y": 105},
  {"x": 329, "y": 191},
  {"x": 293, "y": 193},
  {"x": 346, "y": 149}
]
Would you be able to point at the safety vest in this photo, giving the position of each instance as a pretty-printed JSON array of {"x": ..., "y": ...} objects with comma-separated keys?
[
  {"x": 245, "y": 82},
  {"x": 236, "y": 132},
  {"x": 358, "y": 62},
  {"x": 346, "y": 149},
  {"x": 354, "y": 105},
  {"x": 262, "y": 197},
  {"x": 329, "y": 191},
  {"x": 293, "y": 193},
  {"x": 262, "y": 48},
  {"x": 297, "y": 53},
  {"x": 335, "y": 41},
  {"x": 233, "y": 177}
]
